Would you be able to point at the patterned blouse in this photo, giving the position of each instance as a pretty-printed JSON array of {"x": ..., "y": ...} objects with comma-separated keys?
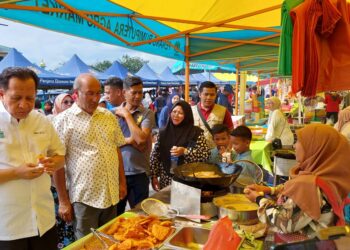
[
  {"x": 199, "y": 153},
  {"x": 284, "y": 216}
]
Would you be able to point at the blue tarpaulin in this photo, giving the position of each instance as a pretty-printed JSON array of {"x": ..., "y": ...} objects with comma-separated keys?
[
  {"x": 117, "y": 70},
  {"x": 47, "y": 79},
  {"x": 75, "y": 66},
  {"x": 148, "y": 75}
]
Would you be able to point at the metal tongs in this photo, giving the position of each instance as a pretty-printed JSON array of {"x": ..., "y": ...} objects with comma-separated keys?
[{"x": 99, "y": 235}]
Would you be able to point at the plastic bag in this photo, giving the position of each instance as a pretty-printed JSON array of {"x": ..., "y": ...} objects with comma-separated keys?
[{"x": 222, "y": 236}]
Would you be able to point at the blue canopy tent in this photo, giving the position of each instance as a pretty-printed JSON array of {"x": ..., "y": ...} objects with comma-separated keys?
[
  {"x": 199, "y": 77},
  {"x": 202, "y": 66},
  {"x": 48, "y": 80},
  {"x": 148, "y": 76},
  {"x": 210, "y": 77},
  {"x": 193, "y": 80},
  {"x": 168, "y": 78},
  {"x": 75, "y": 66},
  {"x": 117, "y": 70}
]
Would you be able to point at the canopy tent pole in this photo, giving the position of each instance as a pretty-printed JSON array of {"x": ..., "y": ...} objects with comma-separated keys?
[
  {"x": 270, "y": 85},
  {"x": 299, "y": 108},
  {"x": 237, "y": 85},
  {"x": 242, "y": 91},
  {"x": 187, "y": 69}
]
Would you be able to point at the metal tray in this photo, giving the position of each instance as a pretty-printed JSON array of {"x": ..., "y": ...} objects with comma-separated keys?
[{"x": 193, "y": 238}]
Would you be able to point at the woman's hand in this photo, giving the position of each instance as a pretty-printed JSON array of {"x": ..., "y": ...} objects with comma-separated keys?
[
  {"x": 177, "y": 151},
  {"x": 251, "y": 194},
  {"x": 258, "y": 188},
  {"x": 155, "y": 183}
]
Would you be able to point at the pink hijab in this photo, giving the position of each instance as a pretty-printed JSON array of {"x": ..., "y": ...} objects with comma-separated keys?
[
  {"x": 57, "y": 108},
  {"x": 343, "y": 118}
]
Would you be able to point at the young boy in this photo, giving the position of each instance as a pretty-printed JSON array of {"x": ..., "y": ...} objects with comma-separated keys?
[
  {"x": 240, "y": 139},
  {"x": 223, "y": 151}
]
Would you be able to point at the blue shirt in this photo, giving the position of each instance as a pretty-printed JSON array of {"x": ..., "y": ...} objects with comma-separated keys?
[
  {"x": 247, "y": 168},
  {"x": 136, "y": 162}
]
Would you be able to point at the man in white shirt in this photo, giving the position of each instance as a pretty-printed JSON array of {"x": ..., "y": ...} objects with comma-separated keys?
[
  {"x": 30, "y": 151},
  {"x": 94, "y": 166}
]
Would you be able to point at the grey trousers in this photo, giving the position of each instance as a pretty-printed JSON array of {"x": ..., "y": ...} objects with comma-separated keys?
[{"x": 87, "y": 217}]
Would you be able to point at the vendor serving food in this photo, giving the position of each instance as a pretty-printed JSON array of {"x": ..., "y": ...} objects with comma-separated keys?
[{"x": 313, "y": 198}]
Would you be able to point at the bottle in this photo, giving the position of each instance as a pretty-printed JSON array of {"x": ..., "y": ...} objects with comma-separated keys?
[
  {"x": 173, "y": 163},
  {"x": 226, "y": 157}
]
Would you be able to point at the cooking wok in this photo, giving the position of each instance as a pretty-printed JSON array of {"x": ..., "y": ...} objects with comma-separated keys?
[{"x": 193, "y": 173}]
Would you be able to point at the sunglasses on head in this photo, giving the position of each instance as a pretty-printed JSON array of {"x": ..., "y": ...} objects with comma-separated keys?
[{"x": 68, "y": 102}]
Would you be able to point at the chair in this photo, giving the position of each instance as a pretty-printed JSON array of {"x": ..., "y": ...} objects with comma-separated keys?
[{"x": 282, "y": 163}]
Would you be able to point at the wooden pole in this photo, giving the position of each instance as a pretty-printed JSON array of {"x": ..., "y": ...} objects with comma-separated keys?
[
  {"x": 237, "y": 85},
  {"x": 242, "y": 88},
  {"x": 187, "y": 69}
]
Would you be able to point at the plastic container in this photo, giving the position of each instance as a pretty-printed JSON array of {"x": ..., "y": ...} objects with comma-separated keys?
[{"x": 173, "y": 163}]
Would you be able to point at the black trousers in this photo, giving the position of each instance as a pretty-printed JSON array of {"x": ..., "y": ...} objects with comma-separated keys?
[
  {"x": 138, "y": 190},
  {"x": 46, "y": 242}
]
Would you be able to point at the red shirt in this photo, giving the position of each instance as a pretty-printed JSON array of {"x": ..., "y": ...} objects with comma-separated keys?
[
  {"x": 332, "y": 105},
  {"x": 227, "y": 120}
]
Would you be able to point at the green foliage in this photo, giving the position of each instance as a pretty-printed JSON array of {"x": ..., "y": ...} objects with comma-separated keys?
[
  {"x": 133, "y": 64},
  {"x": 102, "y": 66}
]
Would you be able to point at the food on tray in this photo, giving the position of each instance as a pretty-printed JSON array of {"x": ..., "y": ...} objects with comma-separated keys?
[
  {"x": 242, "y": 206},
  {"x": 206, "y": 174},
  {"x": 230, "y": 198},
  {"x": 140, "y": 232},
  {"x": 237, "y": 202}
]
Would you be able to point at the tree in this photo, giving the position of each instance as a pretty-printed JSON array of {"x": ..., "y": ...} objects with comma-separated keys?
[
  {"x": 133, "y": 64},
  {"x": 101, "y": 66}
]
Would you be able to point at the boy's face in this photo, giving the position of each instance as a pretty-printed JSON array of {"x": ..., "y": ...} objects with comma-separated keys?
[
  {"x": 221, "y": 139},
  {"x": 240, "y": 145}
]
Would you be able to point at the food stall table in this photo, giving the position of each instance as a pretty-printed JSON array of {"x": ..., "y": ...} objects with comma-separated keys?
[
  {"x": 163, "y": 195},
  {"x": 261, "y": 152}
]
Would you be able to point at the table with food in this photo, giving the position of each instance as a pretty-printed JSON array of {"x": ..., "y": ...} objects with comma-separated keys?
[{"x": 198, "y": 211}]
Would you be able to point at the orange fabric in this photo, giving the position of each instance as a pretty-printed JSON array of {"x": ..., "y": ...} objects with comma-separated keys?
[
  {"x": 338, "y": 208},
  {"x": 316, "y": 31},
  {"x": 298, "y": 15},
  {"x": 222, "y": 236},
  {"x": 326, "y": 156},
  {"x": 335, "y": 54}
]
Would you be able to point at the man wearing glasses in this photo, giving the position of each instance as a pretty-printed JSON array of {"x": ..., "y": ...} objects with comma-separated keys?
[{"x": 92, "y": 137}]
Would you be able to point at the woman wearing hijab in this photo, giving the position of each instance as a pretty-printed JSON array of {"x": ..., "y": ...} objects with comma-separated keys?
[
  {"x": 343, "y": 124},
  {"x": 277, "y": 125},
  {"x": 64, "y": 230},
  {"x": 164, "y": 114},
  {"x": 179, "y": 139},
  {"x": 62, "y": 102},
  {"x": 147, "y": 101},
  {"x": 314, "y": 196}
]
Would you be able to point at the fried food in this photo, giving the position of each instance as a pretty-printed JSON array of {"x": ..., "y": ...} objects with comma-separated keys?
[
  {"x": 206, "y": 174},
  {"x": 140, "y": 232}
]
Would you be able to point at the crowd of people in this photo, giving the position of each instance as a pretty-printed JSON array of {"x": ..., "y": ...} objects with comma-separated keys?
[{"x": 91, "y": 156}]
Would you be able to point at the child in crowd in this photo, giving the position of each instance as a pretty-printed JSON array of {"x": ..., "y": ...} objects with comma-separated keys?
[
  {"x": 240, "y": 139},
  {"x": 223, "y": 151}
]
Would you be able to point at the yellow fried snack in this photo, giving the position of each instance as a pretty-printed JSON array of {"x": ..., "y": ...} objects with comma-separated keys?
[
  {"x": 139, "y": 232},
  {"x": 160, "y": 232}
]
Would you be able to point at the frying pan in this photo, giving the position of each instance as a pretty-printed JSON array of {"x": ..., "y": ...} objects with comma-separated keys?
[{"x": 190, "y": 173}]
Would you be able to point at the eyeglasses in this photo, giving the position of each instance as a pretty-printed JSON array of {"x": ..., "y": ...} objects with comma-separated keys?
[{"x": 68, "y": 102}]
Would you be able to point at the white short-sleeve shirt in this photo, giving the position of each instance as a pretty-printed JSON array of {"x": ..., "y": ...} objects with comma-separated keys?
[
  {"x": 27, "y": 206},
  {"x": 92, "y": 164}
]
